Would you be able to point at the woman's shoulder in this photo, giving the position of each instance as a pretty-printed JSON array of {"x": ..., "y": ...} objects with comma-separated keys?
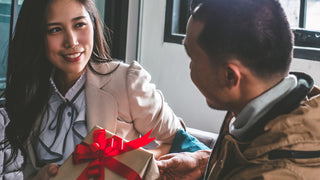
[
  {"x": 129, "y": 66},
  {"x": 118, "y": 74},
  {"x": 112, "y": 67},
  {"x": 130, "y": 71}
]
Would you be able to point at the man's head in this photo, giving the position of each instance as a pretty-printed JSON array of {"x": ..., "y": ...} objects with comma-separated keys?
[{"x": 237, "y": 43}]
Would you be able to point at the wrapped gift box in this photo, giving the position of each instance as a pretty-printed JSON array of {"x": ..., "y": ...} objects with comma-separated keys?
[{"x": 138, "y": 160}]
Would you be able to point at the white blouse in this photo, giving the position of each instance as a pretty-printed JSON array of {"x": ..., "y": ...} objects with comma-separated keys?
[{"x": 63, "y": 124}]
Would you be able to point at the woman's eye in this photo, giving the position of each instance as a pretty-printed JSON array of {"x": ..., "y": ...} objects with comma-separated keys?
[
  {"x": 54, "y": 30},
  {"x": 80, "y": 24}
]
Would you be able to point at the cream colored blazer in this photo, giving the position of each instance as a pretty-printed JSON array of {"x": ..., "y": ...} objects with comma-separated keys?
[{"x": 125, "y": 103}]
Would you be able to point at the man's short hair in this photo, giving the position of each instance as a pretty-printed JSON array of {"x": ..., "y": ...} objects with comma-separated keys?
[{"x": 254, "y": 31}]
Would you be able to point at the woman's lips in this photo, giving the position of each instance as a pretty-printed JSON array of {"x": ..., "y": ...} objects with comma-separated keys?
[{"x": 73, "y": 57}]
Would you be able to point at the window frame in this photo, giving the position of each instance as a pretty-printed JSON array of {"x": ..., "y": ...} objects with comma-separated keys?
[
  {"x": 116, "y": 19},
  {"x": 307, "y": 43},
  {"x": 169, "y": 36}
]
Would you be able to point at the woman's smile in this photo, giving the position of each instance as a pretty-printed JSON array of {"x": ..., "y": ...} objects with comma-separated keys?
[{"x": 73, "y": 57}]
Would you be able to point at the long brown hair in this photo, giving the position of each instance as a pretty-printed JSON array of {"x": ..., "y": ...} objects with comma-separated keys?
[{"x": 27, "y": 91}]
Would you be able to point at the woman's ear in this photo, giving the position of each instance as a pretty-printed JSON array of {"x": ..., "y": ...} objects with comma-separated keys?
[{"x": 233, "y": 75}]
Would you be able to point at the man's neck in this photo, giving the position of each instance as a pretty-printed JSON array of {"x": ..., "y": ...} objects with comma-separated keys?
[
  {"x": 260, "y": 105},
  {"x": 253, "y": 88}
]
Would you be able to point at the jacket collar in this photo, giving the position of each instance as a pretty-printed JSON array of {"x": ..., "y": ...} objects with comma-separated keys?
[
  {"x": 101, "y": 105},
  {"x": 257, "y": 108},
  {"x": 103, "y": 73},
  {"x": 285, "y": 106},
  {"x": 295, "y": 128}
]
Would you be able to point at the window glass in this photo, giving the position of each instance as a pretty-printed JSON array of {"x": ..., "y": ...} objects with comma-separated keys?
[
  {"x": 313, "y": 15},
  {"x": 292, "y": 10},
  {"x": 305, "y": 26},
  {"x": 180, "y": 15},
  {"x": 100, "y": 6},
  {"x": 5, "y": 14},
  {"x": 5, "y": 19}
]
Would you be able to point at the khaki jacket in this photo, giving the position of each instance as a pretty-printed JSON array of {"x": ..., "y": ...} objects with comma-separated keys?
[
  {"x": 125, "y": 103},
  {"x": 297, "y": 131}
]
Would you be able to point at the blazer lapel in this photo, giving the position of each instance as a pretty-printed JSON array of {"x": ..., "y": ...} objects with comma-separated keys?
[{"x": 102, "y": 109}]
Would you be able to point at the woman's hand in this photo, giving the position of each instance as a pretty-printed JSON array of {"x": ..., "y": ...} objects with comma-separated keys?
[
  {"x": 46, "y": 172},
  {"x": 183, "y": 165}
]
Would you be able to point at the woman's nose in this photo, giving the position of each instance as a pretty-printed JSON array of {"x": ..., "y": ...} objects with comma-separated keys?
[{"x": 70, "y": 40}]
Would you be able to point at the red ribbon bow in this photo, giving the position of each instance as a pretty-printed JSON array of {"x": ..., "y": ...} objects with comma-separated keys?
[{"x": 100, "y": 154}]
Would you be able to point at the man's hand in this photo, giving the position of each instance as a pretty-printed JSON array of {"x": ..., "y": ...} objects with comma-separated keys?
[
  {"x": 183, "y": 165},
  {"x": 46, "y": 172}
]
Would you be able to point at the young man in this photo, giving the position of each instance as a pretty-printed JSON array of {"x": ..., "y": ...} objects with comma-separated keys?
[{"x": 240, "y": 54}]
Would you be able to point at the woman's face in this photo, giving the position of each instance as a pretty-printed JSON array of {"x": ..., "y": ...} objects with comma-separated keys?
[{"x": 69, "y": 37}]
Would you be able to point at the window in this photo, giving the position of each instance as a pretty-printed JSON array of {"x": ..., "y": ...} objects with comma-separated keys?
[
  {"x": 177, "y": 14},
  {"x": 8, "y": 15},
  {"x": 303, "y": 16},
  {"x": 116, "y": 18}
]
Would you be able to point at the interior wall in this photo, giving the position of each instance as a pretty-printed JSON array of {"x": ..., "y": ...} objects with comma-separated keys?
[
  {"x": 309, "y": 67},
  {"x": 168, "y": 65},
  {"x": 132, "y": 31}
]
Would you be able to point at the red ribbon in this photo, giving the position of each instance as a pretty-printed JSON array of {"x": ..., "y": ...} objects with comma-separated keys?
[{"x": 100, "y": 154}]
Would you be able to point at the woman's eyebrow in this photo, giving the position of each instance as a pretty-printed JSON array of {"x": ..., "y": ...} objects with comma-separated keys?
[
  {"x": 74, "y": 19},
  {"x": 78, "y": 18}
]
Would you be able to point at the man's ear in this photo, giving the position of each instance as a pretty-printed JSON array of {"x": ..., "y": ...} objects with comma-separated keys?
[{"x": 233, "y": 75}]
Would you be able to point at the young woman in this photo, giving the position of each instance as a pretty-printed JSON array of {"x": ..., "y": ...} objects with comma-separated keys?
[{"x": 62, "y": 81}]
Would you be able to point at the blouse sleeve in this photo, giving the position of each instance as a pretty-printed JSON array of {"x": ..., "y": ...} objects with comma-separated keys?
[
  {"x": 148, "y": 108},
  {"x": 11, "y": 170}
]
